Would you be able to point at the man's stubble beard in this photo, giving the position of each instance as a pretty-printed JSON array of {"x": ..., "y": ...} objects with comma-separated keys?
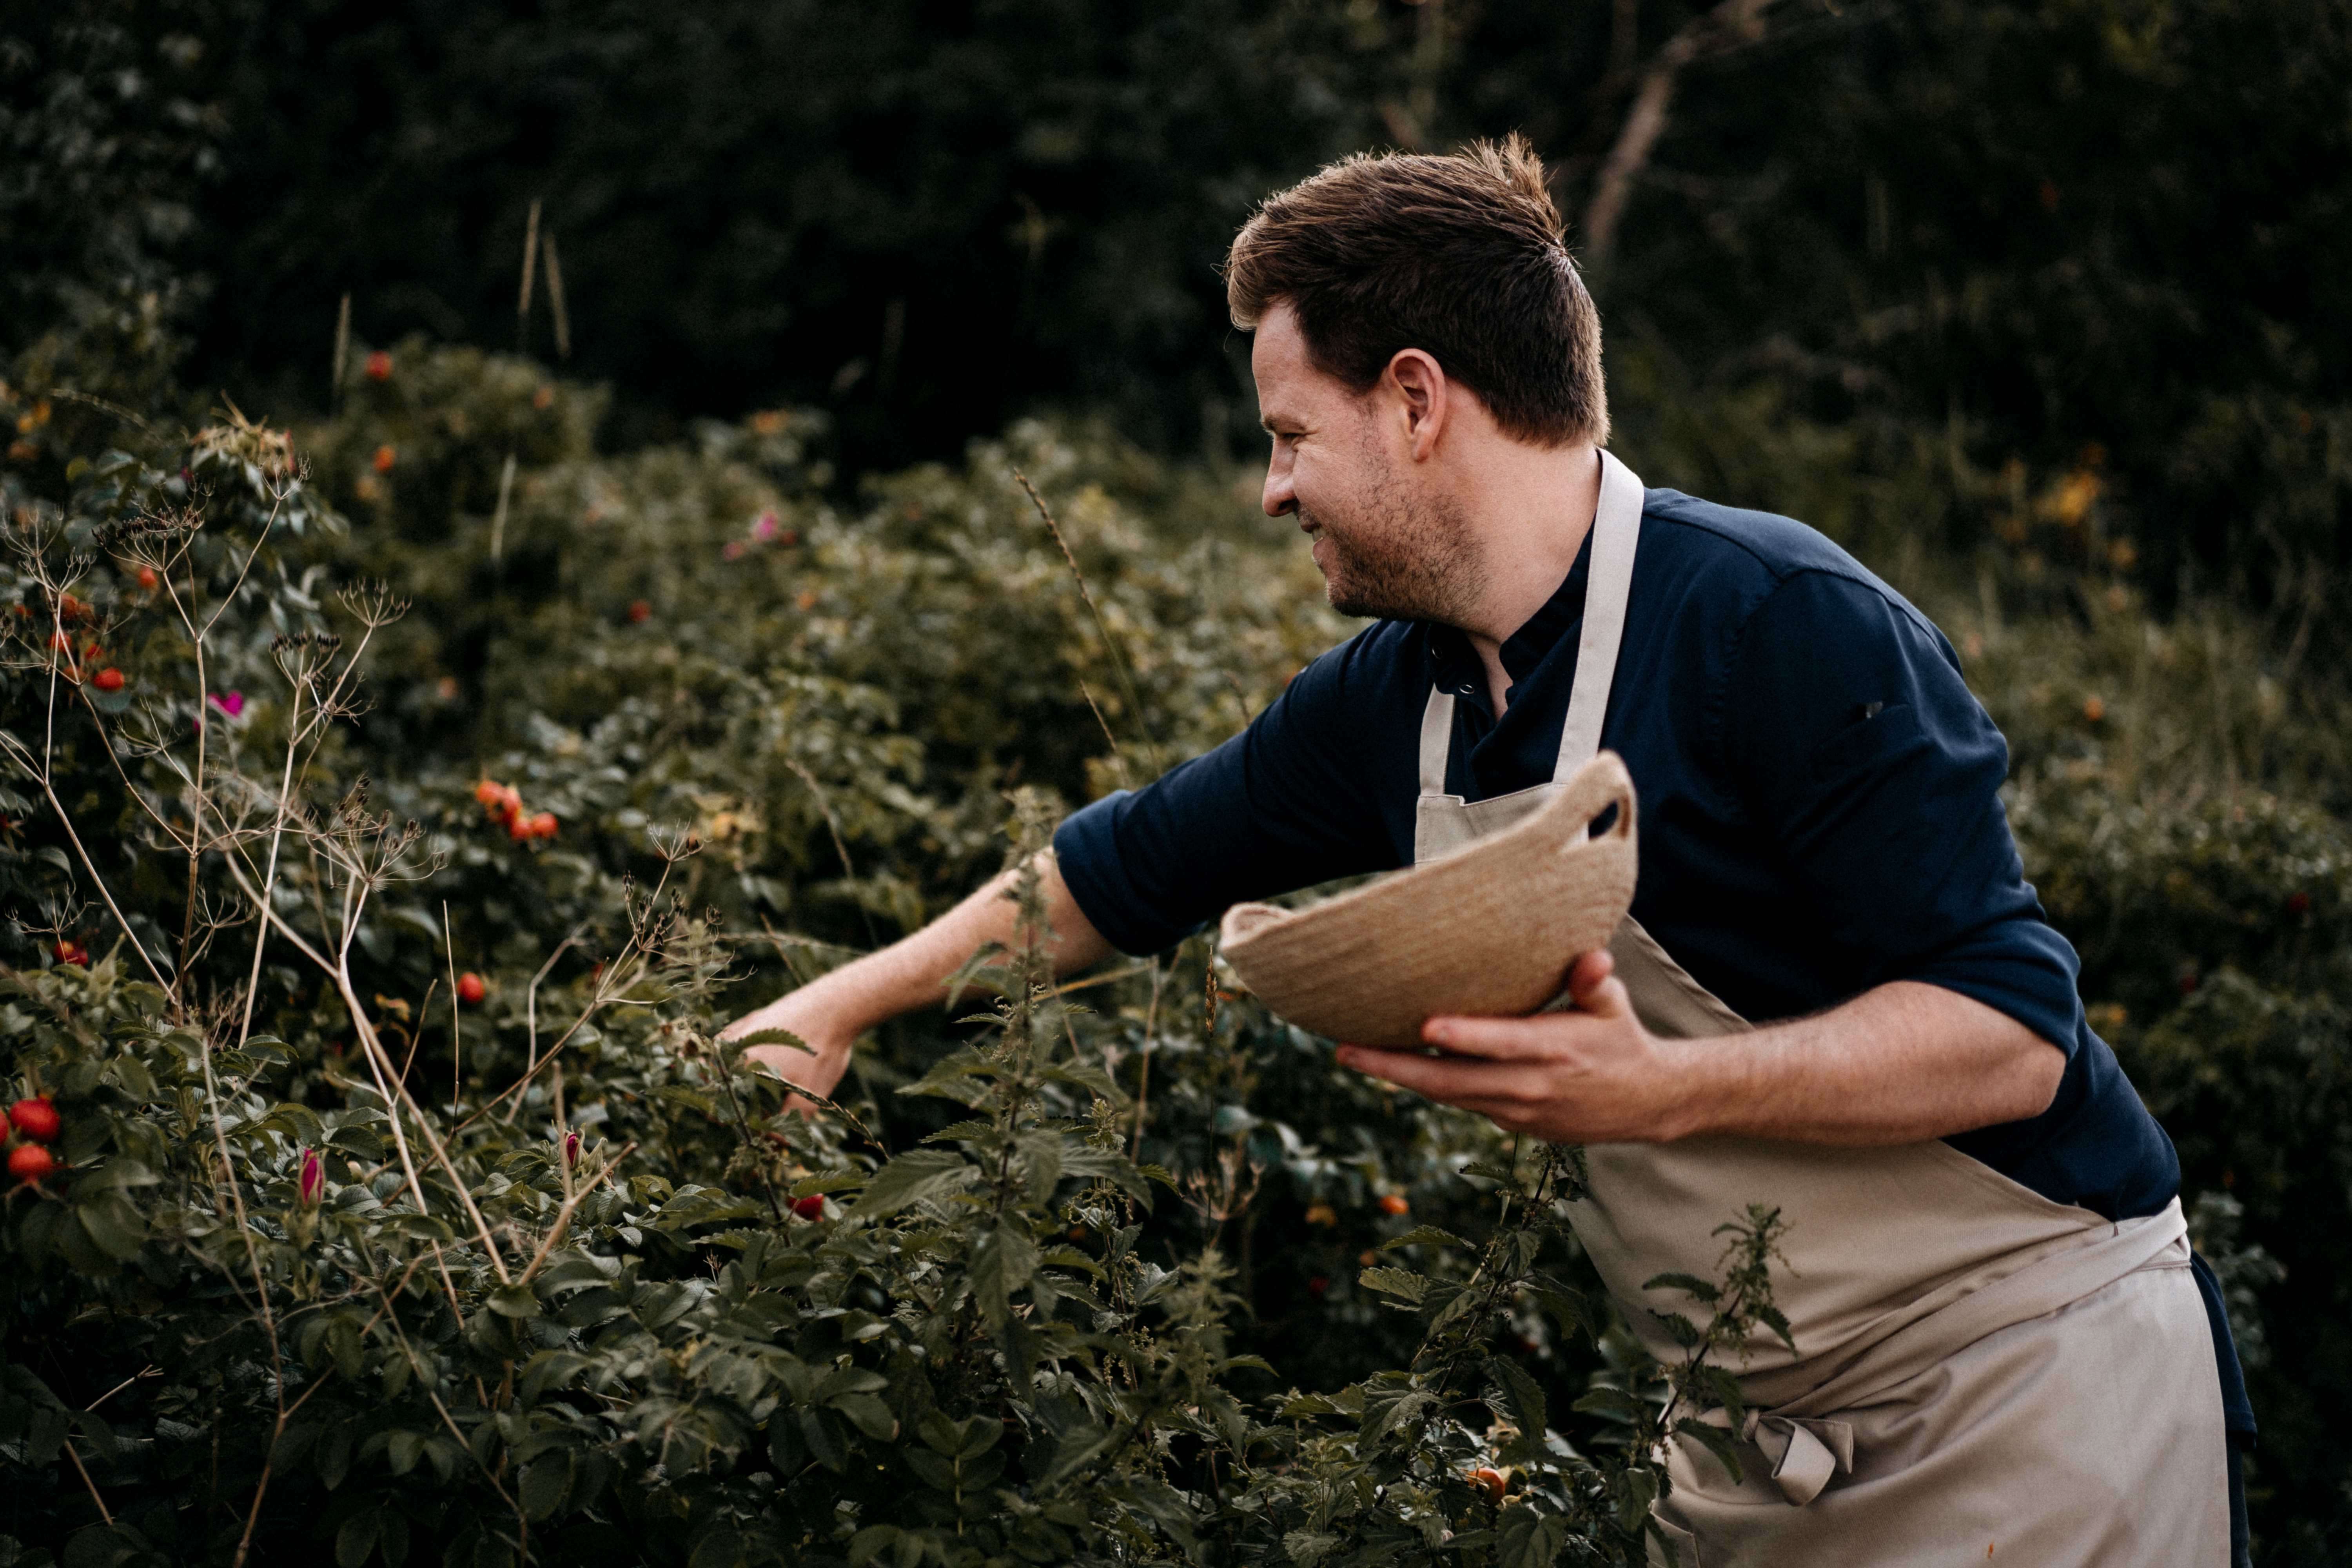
[{"x": 1404, "y": 558}]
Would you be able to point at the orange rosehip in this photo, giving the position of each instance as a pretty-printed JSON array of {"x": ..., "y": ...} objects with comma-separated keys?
[
  {"x": 1490, "y": 1481},
  {"x": 543, "y": 826},
  {"x": 383, "y": 460},
  {"x": 107, "y": 680},
  {"x": 1395, "y": 1203},
  {"x": 147, "y": 578}
]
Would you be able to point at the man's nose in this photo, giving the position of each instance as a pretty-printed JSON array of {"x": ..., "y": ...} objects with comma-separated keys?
[{"x": 1279, "y": 498}]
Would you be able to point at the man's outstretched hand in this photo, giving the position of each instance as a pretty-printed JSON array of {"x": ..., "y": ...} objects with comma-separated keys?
[
  {"x": 1594, "y": 1076},
  {"x": 1901, "y": 1063}
]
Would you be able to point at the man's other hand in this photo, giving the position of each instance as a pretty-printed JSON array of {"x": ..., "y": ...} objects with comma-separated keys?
[
  {"x": 1594, "y": 1076},
  {"x": 1901, "y": 1063}
]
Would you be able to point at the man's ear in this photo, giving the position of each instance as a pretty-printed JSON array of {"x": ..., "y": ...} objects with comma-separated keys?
[{"x": 1419, "y": 393}]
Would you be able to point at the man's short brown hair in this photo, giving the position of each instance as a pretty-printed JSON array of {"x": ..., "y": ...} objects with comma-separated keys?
[{"x": 1460, "y": 257}]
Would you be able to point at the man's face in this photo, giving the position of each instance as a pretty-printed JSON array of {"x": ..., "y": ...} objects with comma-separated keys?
[{"x": 1387, "y": 544}]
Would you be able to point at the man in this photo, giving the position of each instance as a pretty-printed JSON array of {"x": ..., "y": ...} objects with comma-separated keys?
[{"x": 1835, "y": 992}]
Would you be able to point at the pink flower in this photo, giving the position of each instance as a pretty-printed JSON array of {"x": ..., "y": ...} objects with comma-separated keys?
[
  {"x": 229, "y": 702},
  {"x": 312, "y": 1185},
  {"x": 766, "y": 528},
  {"x": 570, "y": 1149}
]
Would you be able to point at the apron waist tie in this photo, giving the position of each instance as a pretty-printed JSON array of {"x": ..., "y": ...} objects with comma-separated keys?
[
  {"x": 1808, "y": 1446},
  {"x": 1805, "y": 1451}
]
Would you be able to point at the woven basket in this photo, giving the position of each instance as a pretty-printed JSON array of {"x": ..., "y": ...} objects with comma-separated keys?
[{"x": 1488, "y": 932}]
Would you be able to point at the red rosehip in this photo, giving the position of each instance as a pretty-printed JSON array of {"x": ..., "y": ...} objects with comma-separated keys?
[
  {"x": 30, "y": 1161},
  {"x": 379, "y": 366},
  {"x": 471, "y": 989},
  {"x": 810, "y": 1208},
  {"x": 2298, "y": 904},
  {"x": 1395, "y": 1203},
  {"x": 71, "y": 952},
  {"x": 2187, "y": 984},
  {"x": 543, "y": 826},
  {"x": 36, "y": 1118},
  {"x": 147, "y": 578},
  {"x": 1318, "y": 1284},
  {"x": 383, "y": 460},
  {"x": 640, "y": 611},
  {"x": 107, "y": 680}
]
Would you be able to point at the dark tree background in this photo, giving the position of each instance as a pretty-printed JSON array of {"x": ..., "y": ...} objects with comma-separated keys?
[{"x": 2102, "y": 230}]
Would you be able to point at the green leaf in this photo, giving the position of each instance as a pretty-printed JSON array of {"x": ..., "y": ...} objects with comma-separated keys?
[
  {"x": 357, "y": 1537},
  {"x": 1717, "y": 1439},
  {"x": 1529, "y": 1410},
  {"x": 1002, "y": 1263},
  {"x": 1423, "y": 1236},
  {"x": 868, "y": 1414},
  {"x": 1610, "y": 1402},
  {"x": 773, "y": 1038},
  {"x": 546, "y": 1483},
  {"x": 514, "y": 1301},
  {"x": 1402, "y": 1282},
  {"x": 1690, "y": 1284},
  {"x": 1109, "y": 1165},
  {"x": 913, "y": 1176}
]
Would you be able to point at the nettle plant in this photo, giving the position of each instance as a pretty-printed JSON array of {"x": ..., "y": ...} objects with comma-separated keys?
[{"x": 276, "y": 1287}]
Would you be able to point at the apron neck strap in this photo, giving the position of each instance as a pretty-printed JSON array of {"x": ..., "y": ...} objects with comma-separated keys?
[{"x": 1616, "y": 531}]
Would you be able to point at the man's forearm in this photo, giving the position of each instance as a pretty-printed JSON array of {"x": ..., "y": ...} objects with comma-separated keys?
[
  {"x": 1901, "y": 1064},
  {"x": 833, "y": 1010}
]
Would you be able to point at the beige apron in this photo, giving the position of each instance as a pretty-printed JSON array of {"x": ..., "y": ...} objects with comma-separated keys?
[{"x": 1980, "y": 1372}]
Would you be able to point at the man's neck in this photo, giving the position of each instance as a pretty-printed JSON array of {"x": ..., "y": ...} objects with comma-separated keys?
[{"x": 1534, "y": 509}]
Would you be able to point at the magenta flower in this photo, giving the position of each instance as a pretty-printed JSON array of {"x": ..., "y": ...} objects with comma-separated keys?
[
  {"x": 570, "y": 1149},
  {"x": 766, "y": 528},
  {"x": 312, "y": 1185},
  {"x": 229, "y": 702}
]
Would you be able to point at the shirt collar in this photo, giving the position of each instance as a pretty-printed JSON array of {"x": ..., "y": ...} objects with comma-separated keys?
[{"x": 1454, "y": 665}]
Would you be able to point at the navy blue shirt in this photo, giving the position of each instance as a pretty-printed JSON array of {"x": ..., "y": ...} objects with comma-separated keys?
[
  {"x": 1819, "y": 798},
  {"x": 1820, "y": 813}
]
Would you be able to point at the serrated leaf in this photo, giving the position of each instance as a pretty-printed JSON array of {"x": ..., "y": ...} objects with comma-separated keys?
[
  {"x": 1690, "y": 1284},
  {"x": 1529, "y": 1409},
  {"x": 773, "y": 1038},
  {"x": 1402, "y": 1282},
  {"x": 917, "y": 1175},
  {"x": 1423, "y": 1236},
  {"x": 1608, "y": 1402},
  {"x": 1717, "y": 1439},
  {"x": 1002, "y": 1263},
  {"x": 1686, "y": 1332}
]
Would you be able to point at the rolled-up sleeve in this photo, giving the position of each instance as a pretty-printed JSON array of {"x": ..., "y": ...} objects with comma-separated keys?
[
  {"x": 1863, "y": 753},
  {"x": 1291, "y": 801}
]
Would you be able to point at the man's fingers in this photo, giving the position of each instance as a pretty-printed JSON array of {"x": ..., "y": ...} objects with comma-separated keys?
[
  {"x": 1494, "y": 1039},
  {"x": 1434, "y": 1077}
]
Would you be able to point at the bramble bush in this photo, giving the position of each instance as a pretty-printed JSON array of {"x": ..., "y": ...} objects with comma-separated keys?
[{"x": 403, "y": 1203}]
